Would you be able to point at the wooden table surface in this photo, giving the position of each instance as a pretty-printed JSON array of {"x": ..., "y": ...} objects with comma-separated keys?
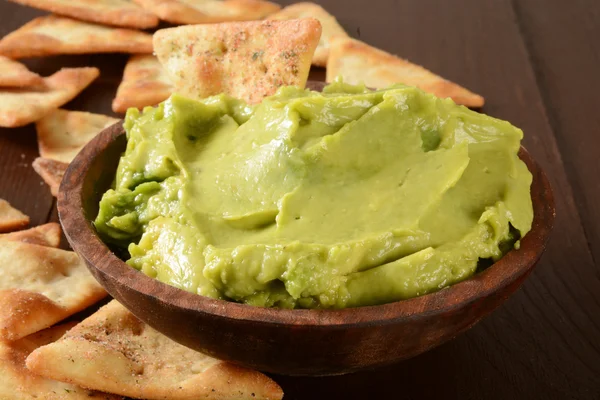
[{"x": 537, "y": 62}]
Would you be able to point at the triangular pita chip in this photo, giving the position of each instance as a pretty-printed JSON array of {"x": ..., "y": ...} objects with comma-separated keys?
[
  {"x": 43, "y": 235},
  {"x": 145, "y": 83},
  {"x": 247, "y": 60},
  {"x": 50, "y": 35},
  {"x": 330, "y": 26},
  {"x": 51, "y": 171},
  {"x": 19, "y": 107},
  {"x": 113, "y": 351},
  {"x": 15, "y": 74},
  {"x": 11, "y": 219},
  {"x": 358, "y": 62},
  {"x": 209, "y": 11},
  {"x": 18, "y": 383},
  {"x": 62, "y": 134},
  {"x": 40, "y": 286},
  {"x": 108, "y": 12}
]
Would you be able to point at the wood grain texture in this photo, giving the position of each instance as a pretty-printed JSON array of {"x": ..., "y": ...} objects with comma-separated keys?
[
  {"x": 567, "y": 61},
  {"x": 534, "y": 62}
]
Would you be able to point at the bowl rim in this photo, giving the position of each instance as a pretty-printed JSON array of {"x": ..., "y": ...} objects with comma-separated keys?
[{"x": 85, "y": 241}]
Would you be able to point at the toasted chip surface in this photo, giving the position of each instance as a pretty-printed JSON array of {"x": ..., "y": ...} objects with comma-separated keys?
[
  {"x": 358, "y": 62},
  {"x": 18, "y": 383},
  {"x": 51, "y": 171},
  {"x": 115, "y": 352},
  {"x": 109, "y": 12},
  {"x": 40, "y": 286},
  {"x": 247, "y": 60},
  {"x": 145, "y": 83},
  {"x": 62, "y": 133},
  {"x": 330, "y": 25},
  {"x": 43, "y": 235},
  {"x": 15, "y": 74},
  {"x": 19, "y": 107},
  {"x": 11, "y": 219},
  {"x": 50, "y": 35},
  {"x": 209, "y": 11}
]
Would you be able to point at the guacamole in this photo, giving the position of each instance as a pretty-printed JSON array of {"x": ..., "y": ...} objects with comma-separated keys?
[{"x": 345, "y": 198}]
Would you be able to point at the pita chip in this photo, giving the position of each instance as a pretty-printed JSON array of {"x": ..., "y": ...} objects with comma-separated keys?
[
  {"x": 113, "y": 351},
  {"x": 62, "y": 134},
  {"x": 358, "y": 62},
  {"x": 18, "y": 383},
  {"x": 330, "y": 26},
  {"x": 43, "y": 235},
  {"x": 51, "y": 35},
  {"x": 145, "y": 83},
  {"x": 209, "y": 11},
  {"x": 247, "y": 60},
  {"x": 108, "y": 12},
  {"x": 15, "y": 74},
  {"x": 51, "y": 171},
  {"x": 19, "y": 107},
  {"x": 11, "y": 219},
  {"x": 40, "y": 286}
]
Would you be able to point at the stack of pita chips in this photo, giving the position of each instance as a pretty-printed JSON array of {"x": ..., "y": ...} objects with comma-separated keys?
[
  {"x": 110, "y": 352},
  {"x": 40, "y": 285},
  {"x": 23, "y": 105}
]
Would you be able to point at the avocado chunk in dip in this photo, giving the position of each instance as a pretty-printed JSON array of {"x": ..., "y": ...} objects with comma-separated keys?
[{"x": 344, "y": 198}]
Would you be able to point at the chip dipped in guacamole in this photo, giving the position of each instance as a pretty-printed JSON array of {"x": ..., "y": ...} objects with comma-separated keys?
[{"x": 344, "y": 198}]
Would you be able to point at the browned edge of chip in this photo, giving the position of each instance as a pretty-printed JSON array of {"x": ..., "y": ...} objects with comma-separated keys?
[
  {"x": 51, "y": 172},
  {"x": 177, "y": 12},
  {"x": 125, "y": 16},
  {"x": 11, "y": 219},
  {"x": 52, "y": 35},
  {"x": 370, "y": 69},
  {"x": 43, "y": 235},
  {"x": 15, "y": 74},
  {"x": 144, "y": 84},
  {"x": 19, "y": 107},
  {"x": 25, "y": 308}
]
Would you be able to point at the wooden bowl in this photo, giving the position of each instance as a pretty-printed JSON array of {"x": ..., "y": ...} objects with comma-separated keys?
[{"x": 291, "y": 342}]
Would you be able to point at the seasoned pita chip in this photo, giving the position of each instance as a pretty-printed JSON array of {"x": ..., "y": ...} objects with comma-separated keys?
[
  {"x": 40, "y": 286},
  {"x": 209, "y": 11},
  {"x": 51, "y": 171},
  {"x": 43, "y": 235},
  {"x": 330, "y": 26},
  {"x": 18, "y": 383},
  {"x": 145, "y": 83},
  {"x": 113, "y": 351},
  {"x": 358, "y": 62},
  {"x": 19, "y": 107},
  {"x": 51, "y": 35},
  {"x": 15, "y": 74},
  {"x": 11, "y": 219},
  {"x": 62, "y": 134},
  {"x": 108, "y": 12},
  {"x": 247, "y": 60}
]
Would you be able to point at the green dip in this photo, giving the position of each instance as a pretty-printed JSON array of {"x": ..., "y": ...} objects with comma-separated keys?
[{"x": 344, "y": 198}]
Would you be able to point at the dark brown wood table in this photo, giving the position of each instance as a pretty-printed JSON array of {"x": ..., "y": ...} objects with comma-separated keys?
[{"x": 537, "y": 62}]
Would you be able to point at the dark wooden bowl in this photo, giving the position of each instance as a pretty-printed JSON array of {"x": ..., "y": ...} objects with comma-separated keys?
[{"x": 292, "y": 342}]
